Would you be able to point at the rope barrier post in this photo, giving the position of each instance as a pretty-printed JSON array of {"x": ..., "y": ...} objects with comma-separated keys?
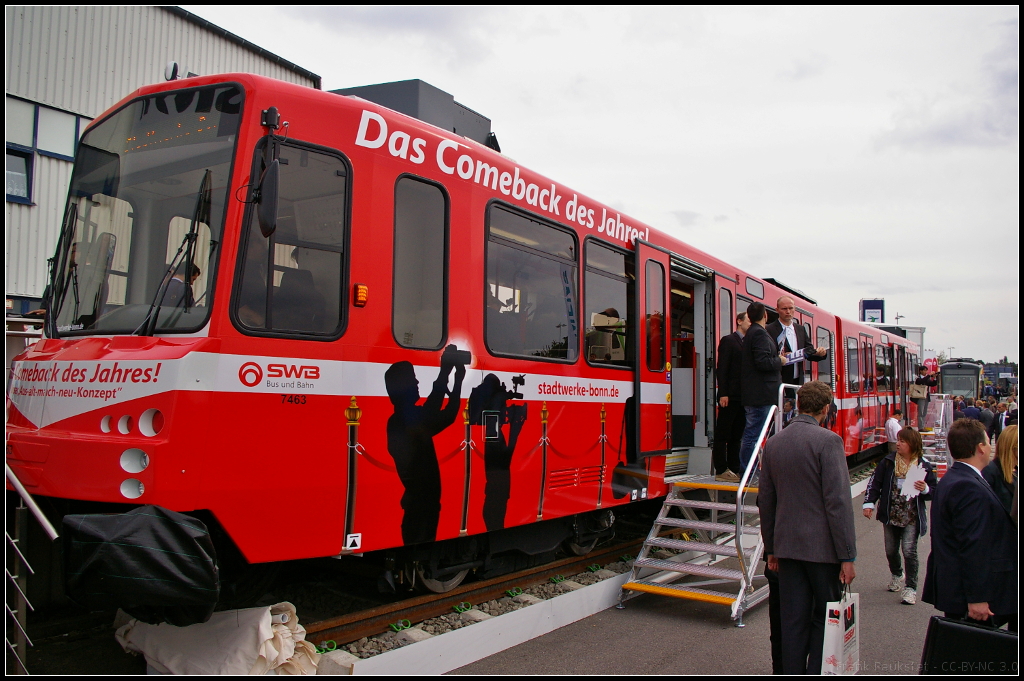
[
  {"x": 544, "y": 458},
  {"x": 352, "y": 414},
  {"x": 468, "y": 444}
]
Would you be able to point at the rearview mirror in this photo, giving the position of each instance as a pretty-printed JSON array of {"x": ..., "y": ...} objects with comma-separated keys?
[{"x": 266, "y": 211}]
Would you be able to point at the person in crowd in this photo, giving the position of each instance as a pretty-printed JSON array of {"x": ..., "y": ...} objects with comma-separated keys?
[
  {"x": 971, "y": 411},
  {"x": 961, "y": 404},
  {"x": 972, "y": 569},
  {"x": 731, "y": 418},
  {"x": 987, "y": 418},
  {"x": 999, "y": 421},
  {"x": 760, "y": 378},
  {"x": 929, "y": 380},
  {"x": 1011, "y": 413},
  {"x": 958, "y": 411},
  {"x": 807, "y": 526},
  {"x": 893, "y": 426},
  {"x": 788, "y": 412},
  {"x": 792, "y": 337},
  {"x": 904, "y": 520},
  {"x": 178, "y": 293},
  {"x": 1001, "y": 472}
]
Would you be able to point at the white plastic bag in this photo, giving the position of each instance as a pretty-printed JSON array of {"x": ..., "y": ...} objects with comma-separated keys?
[{"x": 840, "y": 653}]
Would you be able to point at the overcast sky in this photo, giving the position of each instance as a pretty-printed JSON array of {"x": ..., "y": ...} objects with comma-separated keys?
[{"x": 848, "y": 152}]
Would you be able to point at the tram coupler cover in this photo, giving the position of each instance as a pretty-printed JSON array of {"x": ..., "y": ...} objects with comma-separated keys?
[{"x": 155, "y": 564}]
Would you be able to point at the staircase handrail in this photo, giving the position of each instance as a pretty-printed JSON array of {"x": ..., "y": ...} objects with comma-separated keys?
[
  {"x": 30, "y": 502},
  {"x": 741, "y": 492}
]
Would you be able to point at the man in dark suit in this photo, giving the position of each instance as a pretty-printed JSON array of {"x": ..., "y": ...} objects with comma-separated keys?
[
  {"x": 731, "y": 418},
  {"x": 790, "y": 337},
  {"x": 807, "y": 526},
  {"x": 759, "y": 379},
  {"x": 972, "y": 569}
]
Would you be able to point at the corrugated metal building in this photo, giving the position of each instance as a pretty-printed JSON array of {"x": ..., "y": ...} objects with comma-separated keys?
[{"x": 66, "y": 65}]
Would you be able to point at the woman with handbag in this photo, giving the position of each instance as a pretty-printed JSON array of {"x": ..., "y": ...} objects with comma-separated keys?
[{"x": 904, "y": 520}]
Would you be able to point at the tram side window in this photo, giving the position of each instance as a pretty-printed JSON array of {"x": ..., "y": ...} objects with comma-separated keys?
[
  {"x": 826, "y": 367},
  {"x": 306, "y": 251},
  {"x": 869, "y": 361},
  {"x": 882, "y": 373},
  {"x": 609, "y": 282},
  {"x": 852, "y": 365},
  {"x": 531, "y": 307},
  {"x": 421, "y": 264},
  {"x": 655, "y": 316},
  {"x": 725, "y": 312}
]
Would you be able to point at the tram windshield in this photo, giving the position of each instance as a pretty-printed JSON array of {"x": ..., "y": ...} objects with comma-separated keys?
[{"x": 145, "y": 212}]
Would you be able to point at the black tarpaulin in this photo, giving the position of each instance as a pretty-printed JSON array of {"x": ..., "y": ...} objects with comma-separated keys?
[{"x": 155, "y": 564}]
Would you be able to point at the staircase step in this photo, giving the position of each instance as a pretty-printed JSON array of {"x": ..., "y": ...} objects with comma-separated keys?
[
  {"x": 689, "y": 568},
  {"x": 683, "y": 545},
  {"x": 709, "y": 482},
  {"x": 680, "y": 591},
  {"x": 709, "y": 505},
  {"x": 705, "y": 525}
]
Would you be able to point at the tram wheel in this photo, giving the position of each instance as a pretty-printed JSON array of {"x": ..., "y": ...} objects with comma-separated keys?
[
  {"x": 580, "y": 549},
  {"x": 439, "y": 586}
]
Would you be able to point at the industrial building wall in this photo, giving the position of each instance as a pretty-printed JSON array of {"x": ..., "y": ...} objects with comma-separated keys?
[{"x": 82, "y": 60}]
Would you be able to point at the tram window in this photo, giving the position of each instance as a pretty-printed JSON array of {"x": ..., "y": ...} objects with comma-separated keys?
[
  {"x": 807, "y": 362},
  {"x": 725, "y": 312},
  {"x": 826, "y": 367},
  {"x": 852, "y": 365},
  {"x": 421, "y": 264},
  {"x": 755, "y": 288},
  {"x": 655, "y": 316},
  {"x": 305, "y": 295},
  {"x": 882, "y": 368},
  {"x": 869, "y": 361},
  {"x": 608, "y": 297},
  {"x": 531, "y": 307}
]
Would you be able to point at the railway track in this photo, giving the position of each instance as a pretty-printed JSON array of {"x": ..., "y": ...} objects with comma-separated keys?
[{"x": 354, "y": 626}]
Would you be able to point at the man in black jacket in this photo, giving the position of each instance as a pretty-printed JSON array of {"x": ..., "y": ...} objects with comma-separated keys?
[
  {"x": 972, "y": 569},
  {"x": 731, "y": 419},
  {"x": 760, "y": 379},
  {"x": 792, "y": 337}
]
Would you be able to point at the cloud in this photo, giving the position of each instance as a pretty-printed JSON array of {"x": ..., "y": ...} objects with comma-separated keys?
[
  {"x": 457, "y": 32},
  {"x": 686, "y": 218},
  {"x": 806, "y": 67},
  {"x": 985, "y": 118},
  {"x": 721, "y": 218}
]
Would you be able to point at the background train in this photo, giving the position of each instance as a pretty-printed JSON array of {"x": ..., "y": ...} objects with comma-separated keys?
[{"x": 325, "y": 328}]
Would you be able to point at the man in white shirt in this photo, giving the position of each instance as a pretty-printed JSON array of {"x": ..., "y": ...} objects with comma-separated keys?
[
  {"x": 892, "y": 429},
  {"x": 791, "y": 337}
]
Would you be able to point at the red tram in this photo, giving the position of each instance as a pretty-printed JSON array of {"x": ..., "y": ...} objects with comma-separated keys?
[{"x": 355, "y": 332}]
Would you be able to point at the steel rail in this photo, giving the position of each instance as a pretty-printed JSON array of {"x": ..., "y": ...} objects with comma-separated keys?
[{"x": 354, "y": 626}]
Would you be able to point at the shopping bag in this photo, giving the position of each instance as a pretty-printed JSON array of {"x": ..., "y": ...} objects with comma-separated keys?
[{"x": 840, "y": 653}]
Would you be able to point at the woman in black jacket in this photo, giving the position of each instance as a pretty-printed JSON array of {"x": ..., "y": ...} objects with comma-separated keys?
[{"x": 905, "y": 519}]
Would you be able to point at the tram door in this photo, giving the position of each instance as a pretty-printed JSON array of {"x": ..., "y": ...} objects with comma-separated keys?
[{"x": 652, "y": 383}]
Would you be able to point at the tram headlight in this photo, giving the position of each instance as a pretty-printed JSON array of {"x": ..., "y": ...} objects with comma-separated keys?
[
  {"x": 134, "y": 460},
  {"x": 132, "y": 488}
]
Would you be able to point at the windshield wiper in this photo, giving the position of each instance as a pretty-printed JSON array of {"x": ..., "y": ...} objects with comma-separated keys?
[
  {"x": 201, "y": 213},
  {"x": 57, "y": 291}
]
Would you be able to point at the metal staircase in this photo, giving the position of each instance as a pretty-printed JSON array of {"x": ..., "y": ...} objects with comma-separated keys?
[
  {"x": 733, "y": 532},
  {"x": 18, "y": 570}
]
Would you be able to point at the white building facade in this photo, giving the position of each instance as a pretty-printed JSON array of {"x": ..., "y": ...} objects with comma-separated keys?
[{"x": 65, "y": 66}]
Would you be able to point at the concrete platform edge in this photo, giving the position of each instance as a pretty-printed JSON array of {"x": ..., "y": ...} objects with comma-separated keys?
[{"x": 458, "y": 648}]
